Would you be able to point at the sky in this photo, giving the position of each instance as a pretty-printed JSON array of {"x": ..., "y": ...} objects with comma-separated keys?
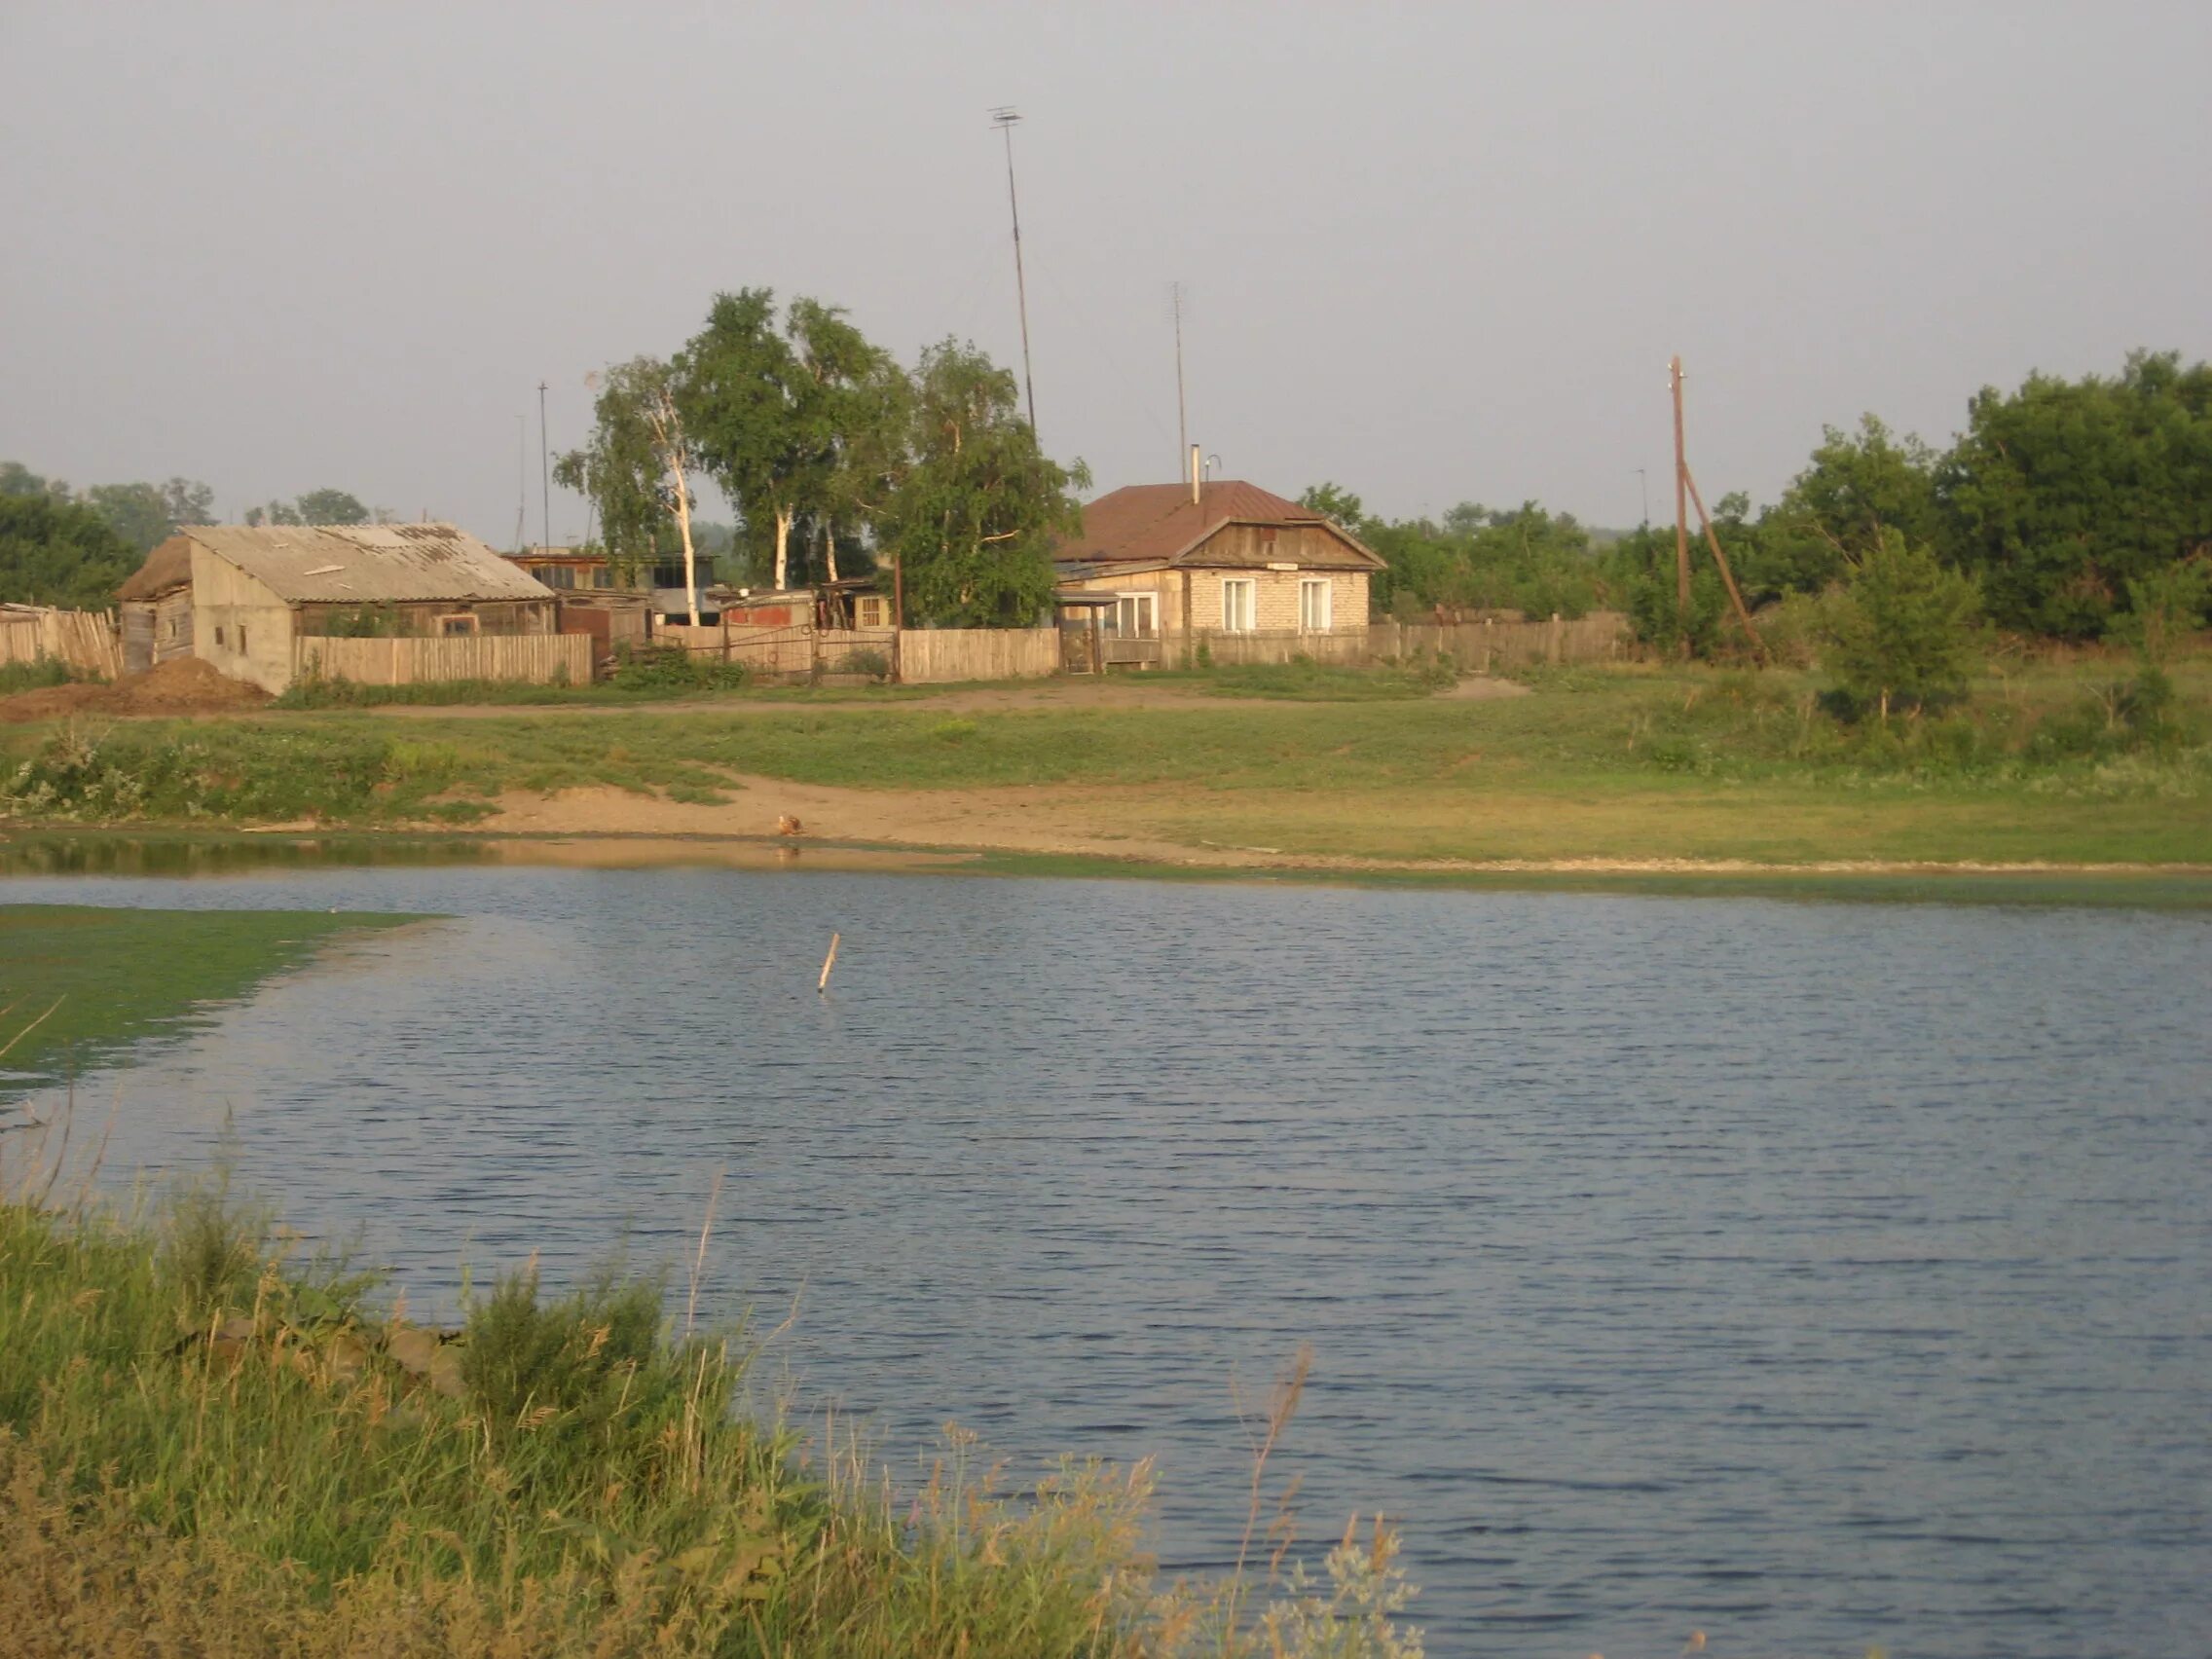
[{"x": 1433, "y": 253}]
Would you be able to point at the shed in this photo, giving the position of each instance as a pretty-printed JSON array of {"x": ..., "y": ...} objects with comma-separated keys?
[
  {"x": 1188, "y": 561},
  {"x": 240, "y": 596}
]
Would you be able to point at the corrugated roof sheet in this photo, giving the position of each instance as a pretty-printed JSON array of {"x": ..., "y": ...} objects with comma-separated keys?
[
  {"x": 1156, "y": 523},
  {"x": 355, "y": 564}
]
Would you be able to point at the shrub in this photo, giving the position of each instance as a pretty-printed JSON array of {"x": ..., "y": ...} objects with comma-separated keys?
[
  {"x": 1903, "y": 630},
  {"x": 672, "y": 668},
  {"x": 36, "y": 675}
]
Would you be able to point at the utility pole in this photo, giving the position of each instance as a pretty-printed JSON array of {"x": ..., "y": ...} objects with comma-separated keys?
[
  {"x": 1182, "y": 422},
  {"x": 1681, "y": 509},
  {"x": 545, "y": 468},
  {"x": 1005, "y": 119},
  {"x": 1685, "y": 490}
]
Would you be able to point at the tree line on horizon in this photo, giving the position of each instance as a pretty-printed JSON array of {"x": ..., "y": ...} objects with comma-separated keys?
[
  {"x": 2063, "y": 503},
  {"x": 73, "y": 548}
]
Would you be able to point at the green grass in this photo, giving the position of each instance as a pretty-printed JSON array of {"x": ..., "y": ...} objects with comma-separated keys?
[
  {"x": 210, "y": 1445},
  {"x": 35, "y": 676},
  {"x": 1633, "y": 762},
  {"x": 111, "y": 975}
]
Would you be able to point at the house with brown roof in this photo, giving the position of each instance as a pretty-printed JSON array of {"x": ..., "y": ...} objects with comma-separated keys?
[
  {"x": 1225, "y": 563},
  {"x": 242, "y": 597}
]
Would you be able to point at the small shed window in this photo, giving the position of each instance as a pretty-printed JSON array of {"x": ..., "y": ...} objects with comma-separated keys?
[
  {"x": 241, "y": 638},
  {"x": 218, "y": 636},
  {"x": 458, "y": 624}
]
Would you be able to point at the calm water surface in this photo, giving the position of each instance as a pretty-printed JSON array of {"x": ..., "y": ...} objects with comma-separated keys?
[{"x": 1813, "y": 1274}]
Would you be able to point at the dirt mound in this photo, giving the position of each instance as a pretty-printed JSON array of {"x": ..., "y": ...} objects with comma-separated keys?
[{"x": 183, "y": 685}]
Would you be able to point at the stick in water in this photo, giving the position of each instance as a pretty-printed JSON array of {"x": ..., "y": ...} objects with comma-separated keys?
[{"x": 828, "y": 962}]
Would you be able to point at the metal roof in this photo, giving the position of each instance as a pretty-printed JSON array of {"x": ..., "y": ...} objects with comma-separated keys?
[
  {"x": 360, "y": 563},
  {"x": 1158, "y": 524}
]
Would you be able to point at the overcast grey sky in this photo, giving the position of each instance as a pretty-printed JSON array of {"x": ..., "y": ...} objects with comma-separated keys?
[{"x": 1435, "y": 252}]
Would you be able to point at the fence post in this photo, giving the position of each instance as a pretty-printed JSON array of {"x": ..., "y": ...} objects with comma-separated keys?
[{"x": 1553, "y": 642}]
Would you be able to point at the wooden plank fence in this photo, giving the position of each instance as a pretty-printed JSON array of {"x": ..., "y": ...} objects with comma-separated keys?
[
  {"x": 85, "y": 639},
  {"x": 937, "y": 656},
  {"x": 536, "y": 659},
  {"x": 1480, "y": 647}
]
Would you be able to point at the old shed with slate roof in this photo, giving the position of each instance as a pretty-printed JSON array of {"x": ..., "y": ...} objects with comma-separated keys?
[
  {"x": 1191, "y": 563},
  {"x": 240, "y": 596}
]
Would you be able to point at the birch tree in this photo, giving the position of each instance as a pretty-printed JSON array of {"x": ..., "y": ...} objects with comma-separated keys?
[{"x": 635, "y": 468}]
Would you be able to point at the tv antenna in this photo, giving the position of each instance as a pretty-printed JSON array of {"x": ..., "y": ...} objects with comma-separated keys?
[
  {"x": 1006, "y": 118},
  {"x": 1175, "y": 298}
]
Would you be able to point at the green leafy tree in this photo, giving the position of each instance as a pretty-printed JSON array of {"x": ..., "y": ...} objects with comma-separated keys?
[
  {"x": 1856, "y": 485},
  {"x": 1900, "y": 631},
  {"x": 274, "y": 513},
  {"x": 2062, "y": 494},
  {"x": 137, "y": 513},
  {"x": 979, "y": 505},
  {"x": 753, "y": 408},
  {"x": 1339, "y": 505},
  {"x": 16, "y": 479},
  {"x": 330, "y": 506},
  {"x": 637, "y": 470},
  {"x": 187, "y": 501},
  {"x": 60, "y": 552},
  {"x": 858, "y": 413}
]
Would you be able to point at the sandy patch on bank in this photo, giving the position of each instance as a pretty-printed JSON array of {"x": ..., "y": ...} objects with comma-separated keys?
[
  {"x": 1059, "y": 819},
  {"x": 1066, "y": 820}
]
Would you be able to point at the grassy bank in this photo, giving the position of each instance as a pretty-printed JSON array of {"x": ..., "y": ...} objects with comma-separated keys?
[
  {"x": 210, "y": 1445},
  {"x": 82, "y": 981},
  {"x": 1637, "y": 763}
]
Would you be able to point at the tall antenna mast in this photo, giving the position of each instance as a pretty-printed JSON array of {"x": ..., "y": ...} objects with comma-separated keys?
[
  {"x": 521, "y": 489},
  {"x": 545, "y": 468},
  {"x": 1182, "y": 422},
  {"x": 1006, "y": 118}
]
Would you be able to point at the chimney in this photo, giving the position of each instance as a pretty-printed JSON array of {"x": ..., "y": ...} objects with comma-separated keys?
[{"x": 1196, "y": 474}]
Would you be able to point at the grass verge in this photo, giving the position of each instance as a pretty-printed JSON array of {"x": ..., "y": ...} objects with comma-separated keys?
[{"x": 1639, "y": 763}]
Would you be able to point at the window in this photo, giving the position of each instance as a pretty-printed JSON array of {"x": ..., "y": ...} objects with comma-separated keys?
[
  {"x": 1313, "y": 606},
  {"x": 458, "y": 625},
  {"x": 241, "y": 638},
  {"x": 218, "y": 638},
  {"x": 871, "y": 610},
  {"x": 1134, "y": 616},
  {"x": 1237, "y": 605}
]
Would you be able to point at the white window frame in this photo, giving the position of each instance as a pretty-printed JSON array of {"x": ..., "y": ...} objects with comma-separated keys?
[
  {"x": 1143, "y": 611},
  {"x": 1249, "y": 589},
  {"x": 1324, "y": 612}
]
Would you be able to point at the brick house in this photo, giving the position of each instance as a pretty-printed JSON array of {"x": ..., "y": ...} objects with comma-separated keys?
[{"x": 1208, "y": 561}]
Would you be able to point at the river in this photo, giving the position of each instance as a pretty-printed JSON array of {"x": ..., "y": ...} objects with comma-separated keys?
[{"x": 1812, "y": 1274}]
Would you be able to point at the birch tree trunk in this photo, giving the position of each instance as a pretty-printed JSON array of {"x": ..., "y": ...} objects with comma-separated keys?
[
  {"x": 830, "y": 546},
  {"x": 783, "y": 545}
]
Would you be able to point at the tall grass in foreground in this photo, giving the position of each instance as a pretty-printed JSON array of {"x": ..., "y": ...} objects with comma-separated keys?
[{"x": 211, "y": 1443}]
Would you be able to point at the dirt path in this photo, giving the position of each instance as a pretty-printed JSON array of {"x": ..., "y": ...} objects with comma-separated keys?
[{"x": 1130, "y": 692}]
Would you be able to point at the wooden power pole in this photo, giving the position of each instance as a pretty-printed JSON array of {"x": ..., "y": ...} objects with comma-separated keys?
[{"x": 1686, "y": 492}]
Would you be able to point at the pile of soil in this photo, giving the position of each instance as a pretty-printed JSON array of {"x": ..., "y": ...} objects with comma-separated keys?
[{"x": 183, "y": 685}]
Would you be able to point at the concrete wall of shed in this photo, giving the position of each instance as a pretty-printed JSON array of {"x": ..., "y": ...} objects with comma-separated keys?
[{"x": 239, "y": 625}]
